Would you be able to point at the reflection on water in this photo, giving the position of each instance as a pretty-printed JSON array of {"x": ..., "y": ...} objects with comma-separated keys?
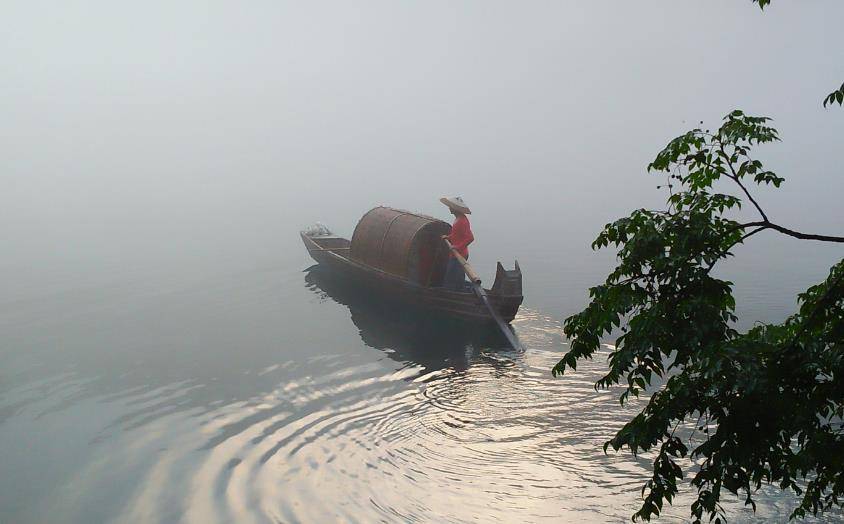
[
  {"x": 340, "y": 410},
  {"x": 405, "y": 333}
]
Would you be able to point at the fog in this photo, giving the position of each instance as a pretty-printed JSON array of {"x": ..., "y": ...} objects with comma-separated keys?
[
  {"x": 198, "y": 137},
  {"x": 167, "y": 354}
]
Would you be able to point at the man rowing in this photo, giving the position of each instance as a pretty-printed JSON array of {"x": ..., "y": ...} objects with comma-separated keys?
[{"x": 460, "y": 237}]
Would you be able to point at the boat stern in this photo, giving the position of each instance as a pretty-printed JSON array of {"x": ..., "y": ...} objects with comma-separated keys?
[
  {"x": 507, "y": 282},
  {"x": 506, "y": 291}
]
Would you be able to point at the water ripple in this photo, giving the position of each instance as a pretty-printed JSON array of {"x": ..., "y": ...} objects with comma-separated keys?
[
  {"x": 465, "y": 435},
  {"x": 499, "y": 440}
]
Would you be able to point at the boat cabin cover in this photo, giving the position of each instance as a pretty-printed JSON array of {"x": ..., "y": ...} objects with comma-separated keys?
[{"x": 401, "y": 243}]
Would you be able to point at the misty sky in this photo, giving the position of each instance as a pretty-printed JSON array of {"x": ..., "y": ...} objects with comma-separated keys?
[{"x": 162, "y": 135}]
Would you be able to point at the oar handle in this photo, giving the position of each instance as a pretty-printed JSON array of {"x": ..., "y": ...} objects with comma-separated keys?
[{"x": 466, "y": 267}]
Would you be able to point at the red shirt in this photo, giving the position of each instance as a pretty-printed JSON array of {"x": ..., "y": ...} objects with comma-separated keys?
[{"x": 461, "y": 236}]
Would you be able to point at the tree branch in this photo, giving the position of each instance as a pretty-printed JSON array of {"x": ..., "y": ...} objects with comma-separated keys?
[
  {"x": 766, "y": 224},
  {"x": 742, "y": 239},
  {"x": 734, "y": 244},
  {"x": 735, "y": 178}
]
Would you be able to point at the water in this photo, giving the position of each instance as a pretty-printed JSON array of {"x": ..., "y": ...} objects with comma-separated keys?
[{"x": 280, "y": 395}]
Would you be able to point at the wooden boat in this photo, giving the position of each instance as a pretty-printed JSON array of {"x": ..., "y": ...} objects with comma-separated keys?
[{"x": 401, "y": 256}]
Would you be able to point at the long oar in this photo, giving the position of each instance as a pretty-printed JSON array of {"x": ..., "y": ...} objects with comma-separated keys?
[{"x": 476, "y": 286}]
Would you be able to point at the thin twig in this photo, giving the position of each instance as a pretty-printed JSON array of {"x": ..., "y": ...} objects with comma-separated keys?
[{"x": 735, "y": 178}]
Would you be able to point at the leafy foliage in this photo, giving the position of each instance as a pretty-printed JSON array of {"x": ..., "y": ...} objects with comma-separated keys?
[
  {"x": 835, "y": 96},
  {"x": 767, "y": 405}
]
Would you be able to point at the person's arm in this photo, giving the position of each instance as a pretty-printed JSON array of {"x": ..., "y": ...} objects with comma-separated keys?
[
  {"x": 449, "y": 236},
  {"x": 454, "y": 233}
]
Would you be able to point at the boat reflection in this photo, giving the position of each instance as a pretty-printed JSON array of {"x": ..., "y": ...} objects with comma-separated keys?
[{"x": 410, "y": 334}]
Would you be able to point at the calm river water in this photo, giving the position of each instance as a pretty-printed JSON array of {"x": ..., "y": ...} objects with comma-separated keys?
[{"x": 276, "y": 394}]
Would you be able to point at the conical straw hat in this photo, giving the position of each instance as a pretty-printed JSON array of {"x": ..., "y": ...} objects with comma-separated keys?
[{"x": 457, "y": 204}]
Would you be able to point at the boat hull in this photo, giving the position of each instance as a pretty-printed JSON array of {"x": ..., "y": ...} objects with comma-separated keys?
[{"x": 465, "y": 305}]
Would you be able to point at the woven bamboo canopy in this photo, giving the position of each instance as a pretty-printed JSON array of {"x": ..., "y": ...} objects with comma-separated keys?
[{"x": 401, "y": 243}]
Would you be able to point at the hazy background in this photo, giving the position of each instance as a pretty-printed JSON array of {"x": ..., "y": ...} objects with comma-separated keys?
[
  {"x": 164, "y": 357},
  {"x": 197, "y": 137}
]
